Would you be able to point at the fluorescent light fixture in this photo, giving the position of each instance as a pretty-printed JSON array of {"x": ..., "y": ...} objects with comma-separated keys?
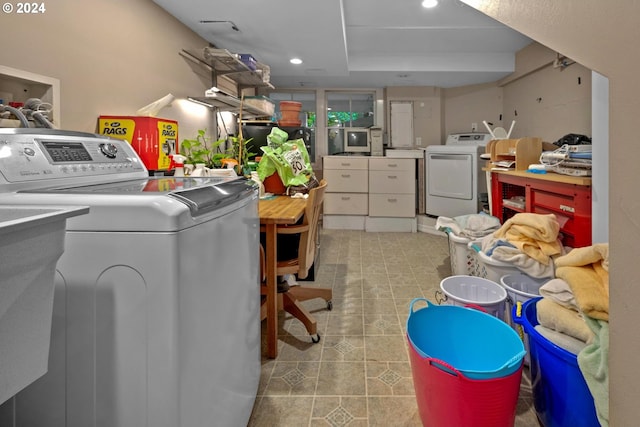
[
  {"x": 429, "y": 3},
  {"x": 296, "y": 61},
  {"x": 197, "y": 101}
]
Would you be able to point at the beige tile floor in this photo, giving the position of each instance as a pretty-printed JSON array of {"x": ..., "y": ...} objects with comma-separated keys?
[{"x": 359, "y": 373}]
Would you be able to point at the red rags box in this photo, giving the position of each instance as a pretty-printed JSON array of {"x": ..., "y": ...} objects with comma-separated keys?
[{"x": 152, "y": 138}]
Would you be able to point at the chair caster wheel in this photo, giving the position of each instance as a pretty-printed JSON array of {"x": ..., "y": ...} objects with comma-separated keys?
[
  {"x": 315, "y": 338},
  {"x": 329, "y": 305}
]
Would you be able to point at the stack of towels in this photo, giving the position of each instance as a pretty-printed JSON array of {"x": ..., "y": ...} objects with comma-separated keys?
[
  {"x": 529, "y": 241},
  {"x": 574, "y": 314}
]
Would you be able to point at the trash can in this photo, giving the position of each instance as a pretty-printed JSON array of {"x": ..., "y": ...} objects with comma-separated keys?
[
  {"x": 474, "y": 291},
  {"x": 520, "y": 289},
  {"x": 560, "y": 394},
  {"x": 466, "y": 366}
]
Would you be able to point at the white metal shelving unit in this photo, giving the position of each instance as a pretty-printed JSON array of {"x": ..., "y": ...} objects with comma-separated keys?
[
  {"x": 22, "y": 85},
  {"x": 221, "y": 62}
]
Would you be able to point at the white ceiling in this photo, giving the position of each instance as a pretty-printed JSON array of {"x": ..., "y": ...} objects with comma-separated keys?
[{"x": 358, "y": 43}]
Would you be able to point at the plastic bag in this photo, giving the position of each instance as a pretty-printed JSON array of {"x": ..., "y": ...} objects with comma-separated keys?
[{"x": 289, "y": 159}]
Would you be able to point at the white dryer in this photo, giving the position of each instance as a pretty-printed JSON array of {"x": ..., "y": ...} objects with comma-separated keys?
[
  {"x": 156, "y": 313},
  {"x": 454, "y": 181}
]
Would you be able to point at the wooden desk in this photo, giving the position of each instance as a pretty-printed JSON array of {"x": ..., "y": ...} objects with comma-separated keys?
[{"x": 280, "y": 210}]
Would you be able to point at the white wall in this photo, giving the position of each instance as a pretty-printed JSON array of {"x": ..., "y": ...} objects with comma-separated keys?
[
  {"x": 549, "y": 103},
  {"x": 600, "y": 135},
  {"x": 472, "y": 104}
]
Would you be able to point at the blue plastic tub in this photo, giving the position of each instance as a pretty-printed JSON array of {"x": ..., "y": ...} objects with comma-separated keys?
[
  {"x": 476, "y": 344},
  {"x": 560, "y": 394}
]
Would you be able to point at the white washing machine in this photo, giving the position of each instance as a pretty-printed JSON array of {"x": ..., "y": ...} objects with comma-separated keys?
[
  {"x": 455, "y": 183},
  {"x": 156, "y": 306}
]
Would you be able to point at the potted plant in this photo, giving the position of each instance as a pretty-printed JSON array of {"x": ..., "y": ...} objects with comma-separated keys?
[{"x": 202, "y": 150}]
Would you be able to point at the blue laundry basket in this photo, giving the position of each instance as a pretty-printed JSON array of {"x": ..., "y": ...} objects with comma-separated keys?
[
  {"x": 560, "y": 394},
  {"x": 478, "y": 345}
]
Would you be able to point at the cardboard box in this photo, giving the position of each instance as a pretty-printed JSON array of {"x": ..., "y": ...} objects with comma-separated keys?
[{"x": 152, "y": 138}]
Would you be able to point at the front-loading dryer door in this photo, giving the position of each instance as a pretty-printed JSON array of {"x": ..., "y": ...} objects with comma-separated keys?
[{"x": 450, "y": 175}]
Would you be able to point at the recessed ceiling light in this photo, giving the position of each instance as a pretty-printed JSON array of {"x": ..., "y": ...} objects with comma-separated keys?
[
  {"x": 296, "y": 61},
  {"x": 429, "y": 3}
]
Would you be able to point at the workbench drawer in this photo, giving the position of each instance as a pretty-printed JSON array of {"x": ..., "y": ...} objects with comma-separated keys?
[{"x": 556, "y": 202}]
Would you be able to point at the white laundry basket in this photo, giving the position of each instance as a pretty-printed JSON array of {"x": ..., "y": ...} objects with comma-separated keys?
[
  {"x": 489, "y": 268},
  {"x": 460, "y": 255},
  {"x": 463, "y": 290}
]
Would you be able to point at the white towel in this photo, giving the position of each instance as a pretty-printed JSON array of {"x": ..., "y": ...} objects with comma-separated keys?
[
  {"x": 472, "y": 225},
  {"x": 567, "y": 342},
  {"x": 559, "y": 291}
]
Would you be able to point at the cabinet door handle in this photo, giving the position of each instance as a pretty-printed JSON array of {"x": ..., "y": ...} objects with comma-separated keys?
[
  {"x": 345, "y": 198},
  {"x": 345, "y": 164},
  {"x": 392, "y": 165},
  {"x": 392, "y": 200},
  {"x": 392, "y": 176},
  {"x": 345, "y": 175}
]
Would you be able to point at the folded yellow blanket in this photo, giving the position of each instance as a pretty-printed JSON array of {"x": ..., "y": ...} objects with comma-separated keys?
[
  {"x": 598, "y": 253},
  {"x": 589, "y": 291},
  {"x": 534, "y": 234},
  {"x": 587, "y": 272},
  {"x": 561, "y": 319}
]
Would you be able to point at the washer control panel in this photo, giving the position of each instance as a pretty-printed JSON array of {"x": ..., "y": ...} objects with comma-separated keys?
[{"x": 30, "y": 156}]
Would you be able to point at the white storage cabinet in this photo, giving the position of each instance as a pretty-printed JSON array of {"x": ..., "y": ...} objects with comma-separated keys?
[
  {"x": 392, "y": 189},
  {"x": 346, "y": 201}
]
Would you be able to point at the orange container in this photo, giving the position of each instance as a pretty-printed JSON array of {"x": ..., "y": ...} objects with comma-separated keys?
[
  {"x": 290, "y": 111},
  {"x": 274, "y": 185},
  {"x": 289, "y": 123}
]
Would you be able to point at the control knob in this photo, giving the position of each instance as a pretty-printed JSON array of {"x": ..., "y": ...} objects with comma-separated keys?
[{"x": 109, "y": 149}]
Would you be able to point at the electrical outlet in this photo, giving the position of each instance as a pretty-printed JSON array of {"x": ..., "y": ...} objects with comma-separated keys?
[{"x": 474, "y": 127}]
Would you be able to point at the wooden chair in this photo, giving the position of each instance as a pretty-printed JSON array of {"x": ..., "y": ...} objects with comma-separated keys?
[{"x": 291, "y": 300}]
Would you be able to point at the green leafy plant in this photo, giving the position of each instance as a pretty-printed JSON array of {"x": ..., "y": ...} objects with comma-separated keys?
[
  {"x": 202, "y": 150},
  {"x": 238, "y": 150}
]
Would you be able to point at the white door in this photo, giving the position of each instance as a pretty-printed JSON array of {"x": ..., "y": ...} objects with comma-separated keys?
[{"x": 401, "y": 124}]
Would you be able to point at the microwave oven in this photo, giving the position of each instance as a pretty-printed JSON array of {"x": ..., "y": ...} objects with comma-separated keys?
[{"x": 357, "y": 140}]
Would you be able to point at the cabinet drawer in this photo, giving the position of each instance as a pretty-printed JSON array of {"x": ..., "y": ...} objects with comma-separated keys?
[
  {"x": 392, "y": 205},
  {"x": 398, "y": 182},
  {"x": 347, "y": 181},
  {"x": 554, "y": 201},
  {"x": 565, "y": 221},
  {"x": 342, "y": 162},
  {"x": 345, "y": 204},
  {"x": 391, "y": 164}
]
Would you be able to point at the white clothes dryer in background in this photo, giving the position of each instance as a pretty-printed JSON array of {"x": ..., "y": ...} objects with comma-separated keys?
[
  {"x": 454, "y": 181},
  {"x": 156, "y": 304}
]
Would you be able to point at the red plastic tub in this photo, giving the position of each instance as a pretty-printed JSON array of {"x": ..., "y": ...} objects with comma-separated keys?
[{"x": 446, "y": 398}]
